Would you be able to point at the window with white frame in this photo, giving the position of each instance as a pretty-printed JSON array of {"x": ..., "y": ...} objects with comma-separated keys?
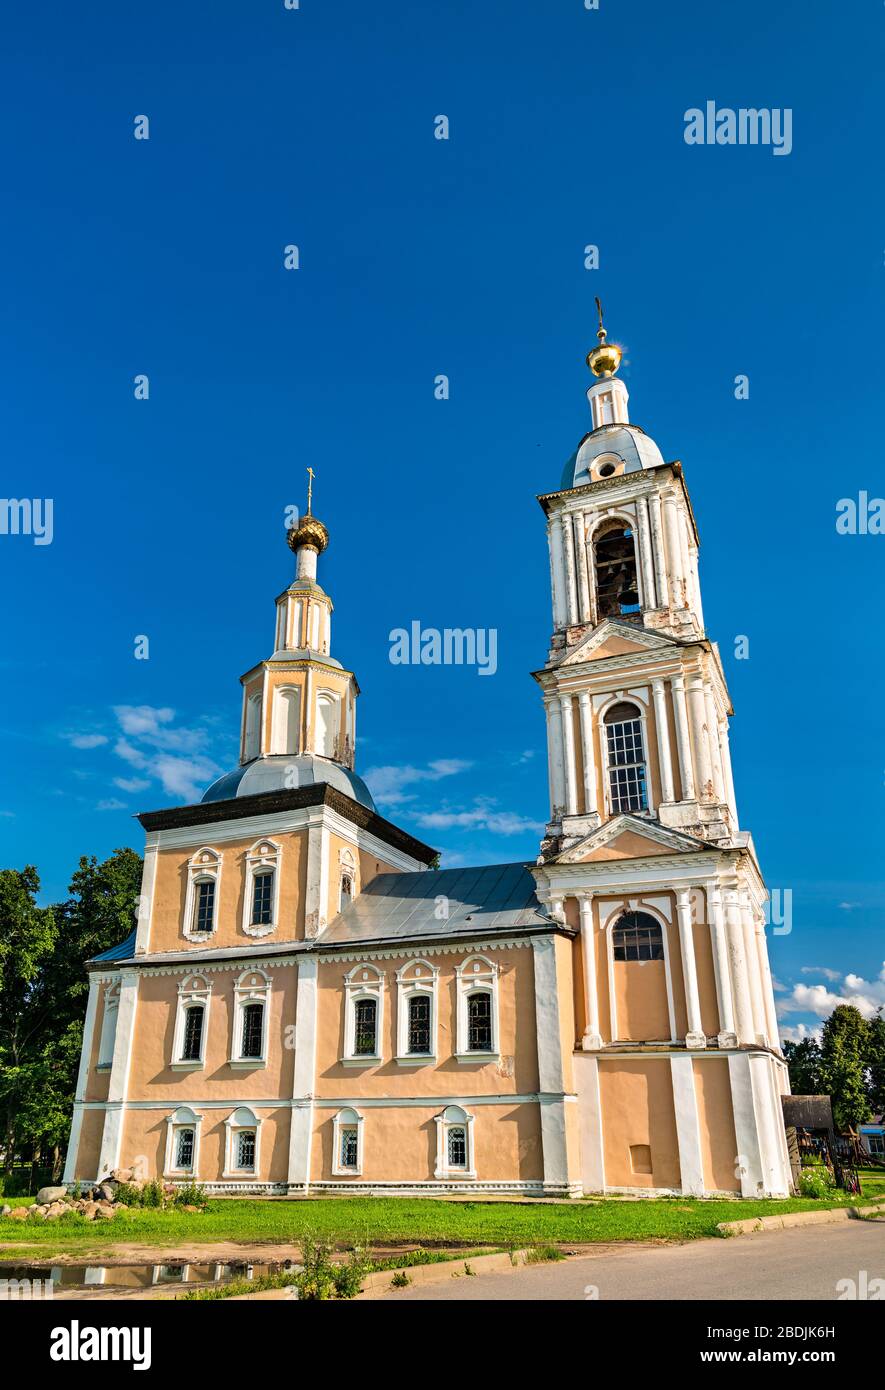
[
  {"x": 242, "y": 1135},
  {"x": 347, "y": 878},
  {"x": 347, "y": 1142},
  {"x": 416, "y": 1010},
  {"x": 201, "y": 897},
  {"x": 363, "y": 1015},
  {"x": 454, "y": 1144},
  {"x": 182, "y": 1143},
  {"x": 108, "y": 1026},
  {"x": 477, "y": 1038},
  {"x": 250, "y": 1020},
  {"x": 625, "y": 759},
  {"x": 637, "y": 936},
  {"x": 191, "y": 1021},
  {"x": 875, "y": 1144},
  {"x": 261, "y": 896}
]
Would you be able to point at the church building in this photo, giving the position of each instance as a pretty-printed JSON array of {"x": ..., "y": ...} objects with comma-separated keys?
[{"x": 308, "y": 1005}]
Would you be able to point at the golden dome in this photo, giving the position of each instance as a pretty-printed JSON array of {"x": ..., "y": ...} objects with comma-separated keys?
[
  {"x": 605, "y": 358},
  {"x": 310, "y": 532}
]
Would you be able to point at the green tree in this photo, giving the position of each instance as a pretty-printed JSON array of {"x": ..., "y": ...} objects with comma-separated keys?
[
  {"x": 28, "y": 937},
  {"x": 843, "y": 1055},
  {"x": 803, "y": 1060},
  {"x": 876, "y": 1063}
]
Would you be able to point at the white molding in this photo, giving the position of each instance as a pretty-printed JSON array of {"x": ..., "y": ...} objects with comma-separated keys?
[
  {"x": 146, "y": 898},
  {"x": 194, "y": 991},
  {"x": 243, "y": 1117},
  {"x": 252, "y": 987},
  {"x": 347, "y": 1118},
  {"x": 185, "y": 1117},
  {"x": 303, "y": 1080},
  {"x": 688, "y": 1131},
  {"x": 454, "y": 1117},
  {"x": 364, "y": 982},
  {"x": 264, "y": 856},
  {"x": 118, "y": 1083},
  {"x": 204, "y": 866},
  {"x": 411, "y": 986},
  {"x": 476, "y": 975}
]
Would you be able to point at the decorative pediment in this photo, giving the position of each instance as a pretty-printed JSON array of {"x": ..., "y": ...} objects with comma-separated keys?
[
  {"x": 616, "y": 638},
  {"x": 629, "y": 837}
]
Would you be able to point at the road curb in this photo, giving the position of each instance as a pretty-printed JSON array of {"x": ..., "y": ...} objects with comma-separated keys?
[
  {"x": 795, "y": 1218},
  {"x": 381, "y": 1280}
]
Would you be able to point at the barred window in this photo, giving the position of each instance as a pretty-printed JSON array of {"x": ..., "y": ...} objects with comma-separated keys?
[
  {"x": 253, "y": 1028},
  {"x": 193, "y": 1033},
  {"x": 614, "y": 558},
  {"x": 246, "y": 1148},
  {"x": 184, "y": 1148},
  {"x": 262, "y": 899},
  {"x": 479, "y": 1023},
  {"x": 456, "y": 1141},
  {"x": 365, "y": 1029},
  {"x": 626, "y": 759},
  {"x": 349, "y": 1150},
  {"x": 419, "y": 1024},
  {"x": 637, "y": 936},
  {"x": 204, "y": 905}
]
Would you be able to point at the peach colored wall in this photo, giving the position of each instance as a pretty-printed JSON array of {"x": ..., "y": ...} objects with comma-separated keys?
[
  {"x": 641, "y": 1001},
  {"x": 144, "y": 1138},
  {"x": 517, "y": 1070},
  {"x": 89, "y": 1148},
  {"x": 171, "y": 892},
  {"x": 716, "y": 1120},
  {"x": 97, "y": 1082},
  {"x": 567, "y": 1020},
  {"x": 399, "y": 1143},
  {"x": 627, "y": 845},
  {"x": 368, "y": 865},
  {"x": 703, "y": 955},
  {"x": 637, "y": 1109},
  {"x": 150, "y": 1074}
]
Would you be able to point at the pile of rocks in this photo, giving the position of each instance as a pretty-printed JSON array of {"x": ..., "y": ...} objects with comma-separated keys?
[{"x": 96, "y": 1204}]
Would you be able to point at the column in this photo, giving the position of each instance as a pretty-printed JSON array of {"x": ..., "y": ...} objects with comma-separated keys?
[
  {"x": 82, "y": 1077},
  {"x": 754, "y": 971},
  {"x": 713, "y": 738},
  {"x": 585, "y": 612},
  {"x": 591, "y": 1041},
  {"x": 568, "y": 747},
  {"x": 568, "y": 546},
  {"x": 301, "y": 1125},
  {"x": 146, "y": 897},
  {"x": 725, "y": 1000},
  {"x": 746, "y": 1130},
  {"x": 591, "y": 805},
  {"x": 740, "y": 979},
  {"x": 696, "y": 585},
  {"x": 558, "y": 569},
  {"x": 767, "y": 987},
  {"x": 662, "y": 725},
  {"x": 695, "y": 1036},
  {"x": 674, "y": 552},
  {"x": 725, "y": 754},
  {"x": 554, "y": 754},
  {"x": 647, "y": 564},
  {"x": 688, "y": 1130},
  {"x": 551, "y": 1082},
  {"x": 697, "y": 713},
  {"x": 118, "y": 1085},
  {"x": 657, "y": 548},
  {"x": 683, "y": 744}
]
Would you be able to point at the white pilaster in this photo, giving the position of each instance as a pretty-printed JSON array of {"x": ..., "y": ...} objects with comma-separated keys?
[
  {"x": 662, "y": 727},
  {"x": 550, "y": 1077},
  {"x": 591, "y": 1041},
  {"x": 590, "y": 1123},
  {"x": 725, "y": 755},
  {"x": 568, "y": 546},
  {"x": 82, "y": 1077},
  {"x": 301, "y": 1130},
  {"x": 697, "y": 713},
  {"x": 554, "y": 536},
  {"x": 647, "y": 563},
  {"x": 657, "y": 548},
  {"x": 754, "y": 971},
  {"x": 713, "y": 739},
  {"x": 746, "y": 1130},
  {"x": 770, "y": 1127},
  {"x": 568, "y": 748},
  {"x": 724, "y": 995},
  {"x": 743, "y": 1008},
  {"x": 585, "y": 611},
  {"x": 768, "y": 988},
  {"x": 146, "y": 899},
  {"x": 555, "y": 755},
  {"x": 683, "y": 742},
  {"x": 585, "y": 711},
  {"x": 695, "y": 1036},
  {"x": 674, "y": 553},
  {"x": 118, "y": 1085},
  {"x": 688, "y": 1129}
]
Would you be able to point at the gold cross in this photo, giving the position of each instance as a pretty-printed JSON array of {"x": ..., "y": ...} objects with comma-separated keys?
[
  {"x": 310, "y": 477},
  {"x": 601, "y": 333}
]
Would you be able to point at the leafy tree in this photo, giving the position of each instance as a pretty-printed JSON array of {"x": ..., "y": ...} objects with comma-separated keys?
[
  {"x": 803, "y": 1060},
  {"x": 28, "y": 936},
  {"x": 876, "y": 1063},
  {"x": 843, "y": 1054}
]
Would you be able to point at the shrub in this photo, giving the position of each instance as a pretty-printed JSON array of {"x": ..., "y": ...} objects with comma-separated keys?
[
  {"x": 400, "y": 1280},
  {"x": 816, "y": 1182},
  {"x": 191, "y": 1195},
  {"x": 539, "y": 1254}
]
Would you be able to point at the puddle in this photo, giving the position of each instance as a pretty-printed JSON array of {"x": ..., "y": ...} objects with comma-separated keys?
[{"x": 140, "y": 1276}]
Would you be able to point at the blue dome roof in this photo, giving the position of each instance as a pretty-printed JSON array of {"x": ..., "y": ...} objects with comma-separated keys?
[{"x": 282, "y": 772}]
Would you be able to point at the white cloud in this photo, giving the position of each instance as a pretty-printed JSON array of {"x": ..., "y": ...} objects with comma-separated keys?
[
  {"x": 867, "y": 996},
  {"x": 482, "y": 816},
  {"x": 131, "y": 784},
  {"x": 387, "y": 783},
  {"x": 139, "y": 720},
  {"x": 849, "y": 907},
  {"x": 798, "y": 1032},
  {"x": 86, "y": 740},
  {"x": 111, "y": 804},
  {"x": 821, "y": 970},
  {"x": 174, "y": 757}
]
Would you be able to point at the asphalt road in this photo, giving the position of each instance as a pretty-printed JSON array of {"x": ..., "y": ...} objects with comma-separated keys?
[{"x": 804, "y": 1263}]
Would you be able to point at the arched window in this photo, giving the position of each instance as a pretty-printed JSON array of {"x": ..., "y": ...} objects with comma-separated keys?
[
  {"x": 287, "y": 710},
  {"x": 253, "y": 1030},
  {"x": 625, "y": 759},
  {"x": 251, "y": 1007},
  {"x": 454, "y": 1144},
  {"x": 479, "y": 1022},
  {"x": 204, "y": 905},
  {"x": 182, "y": 1142},
  {"x": 192, "y": 1046},
  {"x": 347, "y": 1140},
  {"x": 243, "y": 1129},
  {"x": 201, "y": 901},
  {"x": 346, "y": 892},
  {"x": 261, "y": 898},
  {"x": 614, "y": 565},
  {"x": 363, "y": 1015},
  {"x": 637, "y": 936},
  {"x": 477, "y": 1010},
  {"x": 365, "y": 1035}
]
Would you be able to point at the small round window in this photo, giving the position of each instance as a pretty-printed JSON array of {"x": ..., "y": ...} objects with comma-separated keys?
[{"x": 605, "y": 470}]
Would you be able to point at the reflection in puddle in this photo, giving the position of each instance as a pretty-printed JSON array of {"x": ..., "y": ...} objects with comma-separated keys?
[{"x": 141, "y": 1276}]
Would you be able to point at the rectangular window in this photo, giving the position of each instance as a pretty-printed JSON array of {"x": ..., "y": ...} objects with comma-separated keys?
[
  {"x": 349, "y": 1147},
  {"x": 184, "y": 1149},
  {"x": 876, "y": 1143},
  {"x": 262, "y": 899},
  {"x": 626, "y": 766},
  {"x": 193, "y": 1034},
  {"x": 456, "y": 1140},
  {"x": 419, "y": 1024},
  {"x": 479, "y": 1023},
  {"x": 365, "y": 1028},
  {"x": 204, "y": 905},
  {"x": 246, "y": 1148},
  {"x": 253, "y": 1029}
]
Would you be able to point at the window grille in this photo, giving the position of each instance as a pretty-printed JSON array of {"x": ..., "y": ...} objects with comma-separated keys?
[
  {"x": 456, "y": 1141},
  {"x": 262, "y": 899},
  {"x": 637, "y": 936},
  {"x": 246, "y": 1148},
  {"x": 479, "y": 1023},
  {"x": 253, "y": 1028},
  {"x": 365, "y": 1027},
  {"x": 349, "y": 1147},
  {"x": 419, "y": 1023},
  {"x": 193, "y": 1034},
  {"x": 627, "y": 780},
  {"x": 204, "y": 905},
  {"x": 184, "y": 1149}
]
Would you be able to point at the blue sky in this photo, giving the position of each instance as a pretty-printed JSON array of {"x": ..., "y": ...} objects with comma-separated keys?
[{"x": 419, "y": 257}]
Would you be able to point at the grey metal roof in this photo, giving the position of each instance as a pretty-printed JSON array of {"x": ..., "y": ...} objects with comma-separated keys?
[{"x": 439, "y": 902}]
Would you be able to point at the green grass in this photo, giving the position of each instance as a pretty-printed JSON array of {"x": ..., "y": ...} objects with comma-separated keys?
[{"x": 390, "y": 1220}]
